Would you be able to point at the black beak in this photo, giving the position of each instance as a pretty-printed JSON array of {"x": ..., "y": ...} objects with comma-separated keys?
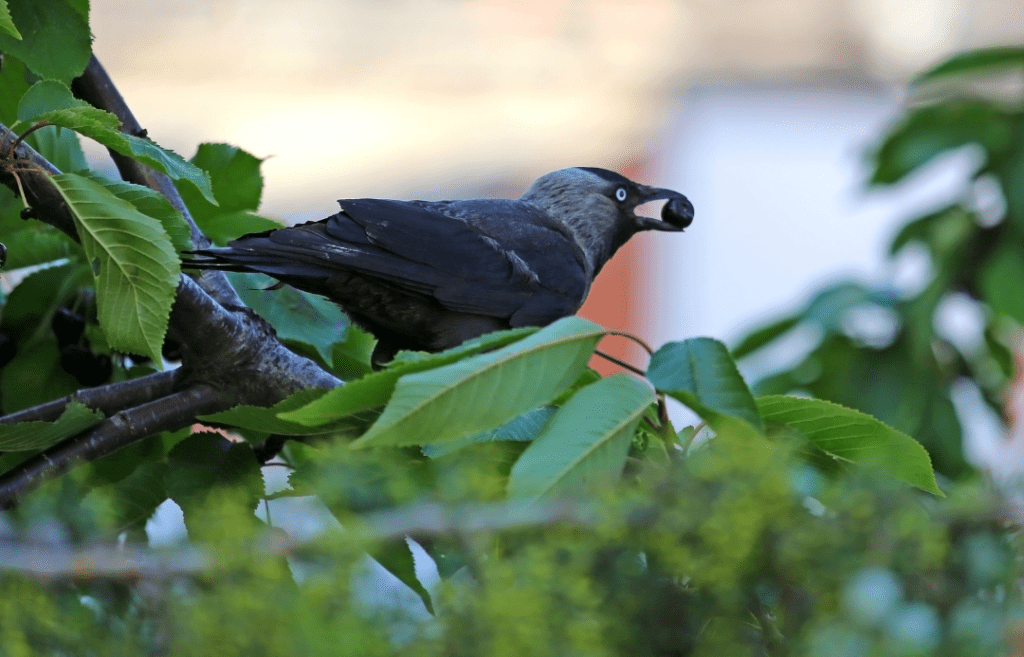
[{"x": 676, "y": 215}]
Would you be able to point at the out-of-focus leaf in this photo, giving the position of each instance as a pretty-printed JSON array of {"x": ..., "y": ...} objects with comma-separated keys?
[
  {"x": 205, "y": 461},
  {"x": 942, "y": 231},
  {"x": 700, "y": 371},
  {"x": 762, "y": 336},
  {"x": 1001, "y": 279},
  {"x": 1010, "y": 171},
  {"x": 935, "y": 129},
  {"x": 397, "y": 558},
  {"x": 984, "y": 60}
]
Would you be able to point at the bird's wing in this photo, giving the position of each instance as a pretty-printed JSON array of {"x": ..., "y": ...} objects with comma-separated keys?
[{"x": 522, "y": 270}]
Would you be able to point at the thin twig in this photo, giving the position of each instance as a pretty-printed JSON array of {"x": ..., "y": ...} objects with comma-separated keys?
[
  {"x": 635, "y": 338},
  {"x": 621, "y": 363},
  {"x": 17, "y": 142},
  {"x": 166, "y": 414}
]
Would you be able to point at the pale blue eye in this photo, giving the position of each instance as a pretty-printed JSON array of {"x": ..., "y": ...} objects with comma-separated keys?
[{"x": 620, "y": 194}]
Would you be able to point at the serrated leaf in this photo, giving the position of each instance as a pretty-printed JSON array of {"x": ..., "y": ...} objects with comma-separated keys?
[
  {"x": 138, "y": 269},
  {"x": 152, "y": 204},
  {"x": 7, "y": 23},
  {"x": 854, "y": 437},
  {"x": 52, "y": 102},
  {"x": 373, "y": 390},
  {"x": 295, "y": 315},
  {"x": 26, "y": 436},
  {"x": 700, "y": 373},
  {"x": 55, "y": 40},
  {"x": 484, "y": 391},
  {"x": 585, "y": 444},
  {"x": 234, "y": 177},
  {"x": 984, "y": 60},
  {"x": 264, "y": 419}
]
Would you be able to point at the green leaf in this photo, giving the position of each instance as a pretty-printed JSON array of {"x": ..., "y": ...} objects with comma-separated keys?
[
  {"x": 1000, "y": 281},
  {"x": 52, "y": 102},
  {"x": 295, "y": 315},
  {"x": 61, "y": 147},
  {"x": 152, "y": 204},
  {"x": 135, "y": 266},
  {"x": 984, "y": 60},
  {"x": 397, "y": 558},
  {"x": 221, "y": 228},
  {"x": 14, "y": 82},
  {"x": 585, "y": 444},
  {"x": 762, "y": 336},
  {"x": 234, "y": 177},
  {"x": 942, "y": 231},
  {"x": 35, "y": 376},
  {"x": 930, "y": 131},
  {"x": 6, "y": 22},
  {"x": 205, "y": 461},
  {"x": 700, "y": 373},
  {"x": 137, "y": 496},
  {"x": 264, "y": 419},
  {"x": 521, "y": 429},
  {"x": 25, "y": 436},
  {"x": 54, "y": 38},
  {"x": 350, "y": 358},
  {"x": 484, "y": 391},
  {"x": 854, "y": 437},
  {"x": 373, "y": 390}
]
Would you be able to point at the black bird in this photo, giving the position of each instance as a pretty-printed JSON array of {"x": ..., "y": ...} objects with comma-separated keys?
[{"x": 428, "y": 275}]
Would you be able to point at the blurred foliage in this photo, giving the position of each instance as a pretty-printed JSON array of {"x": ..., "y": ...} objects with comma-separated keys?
[
  {"x": 894, "y": 354},
  {"x": 500, "y": 498}
]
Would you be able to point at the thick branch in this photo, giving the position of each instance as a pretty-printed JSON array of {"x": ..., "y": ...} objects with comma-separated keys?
[
  {"x": 95, "y": 87},
  {"x": 109, "y": 399},
  {"x": 238, "y": 351},
  {"x": 123, "y": 428}
]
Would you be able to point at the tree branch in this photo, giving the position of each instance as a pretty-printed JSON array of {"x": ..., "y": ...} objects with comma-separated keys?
[
  {"x": 109, "y": 398},
  {"x": 121, "y": 429},
  {"x": 95, "y": 87}
]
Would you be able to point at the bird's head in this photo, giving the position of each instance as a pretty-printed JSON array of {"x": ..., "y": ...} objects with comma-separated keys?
[{"x": 598, "y": 207}]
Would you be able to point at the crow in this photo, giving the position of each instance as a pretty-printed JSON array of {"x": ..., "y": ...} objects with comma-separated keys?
[{"x": 428, "y": 275}]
